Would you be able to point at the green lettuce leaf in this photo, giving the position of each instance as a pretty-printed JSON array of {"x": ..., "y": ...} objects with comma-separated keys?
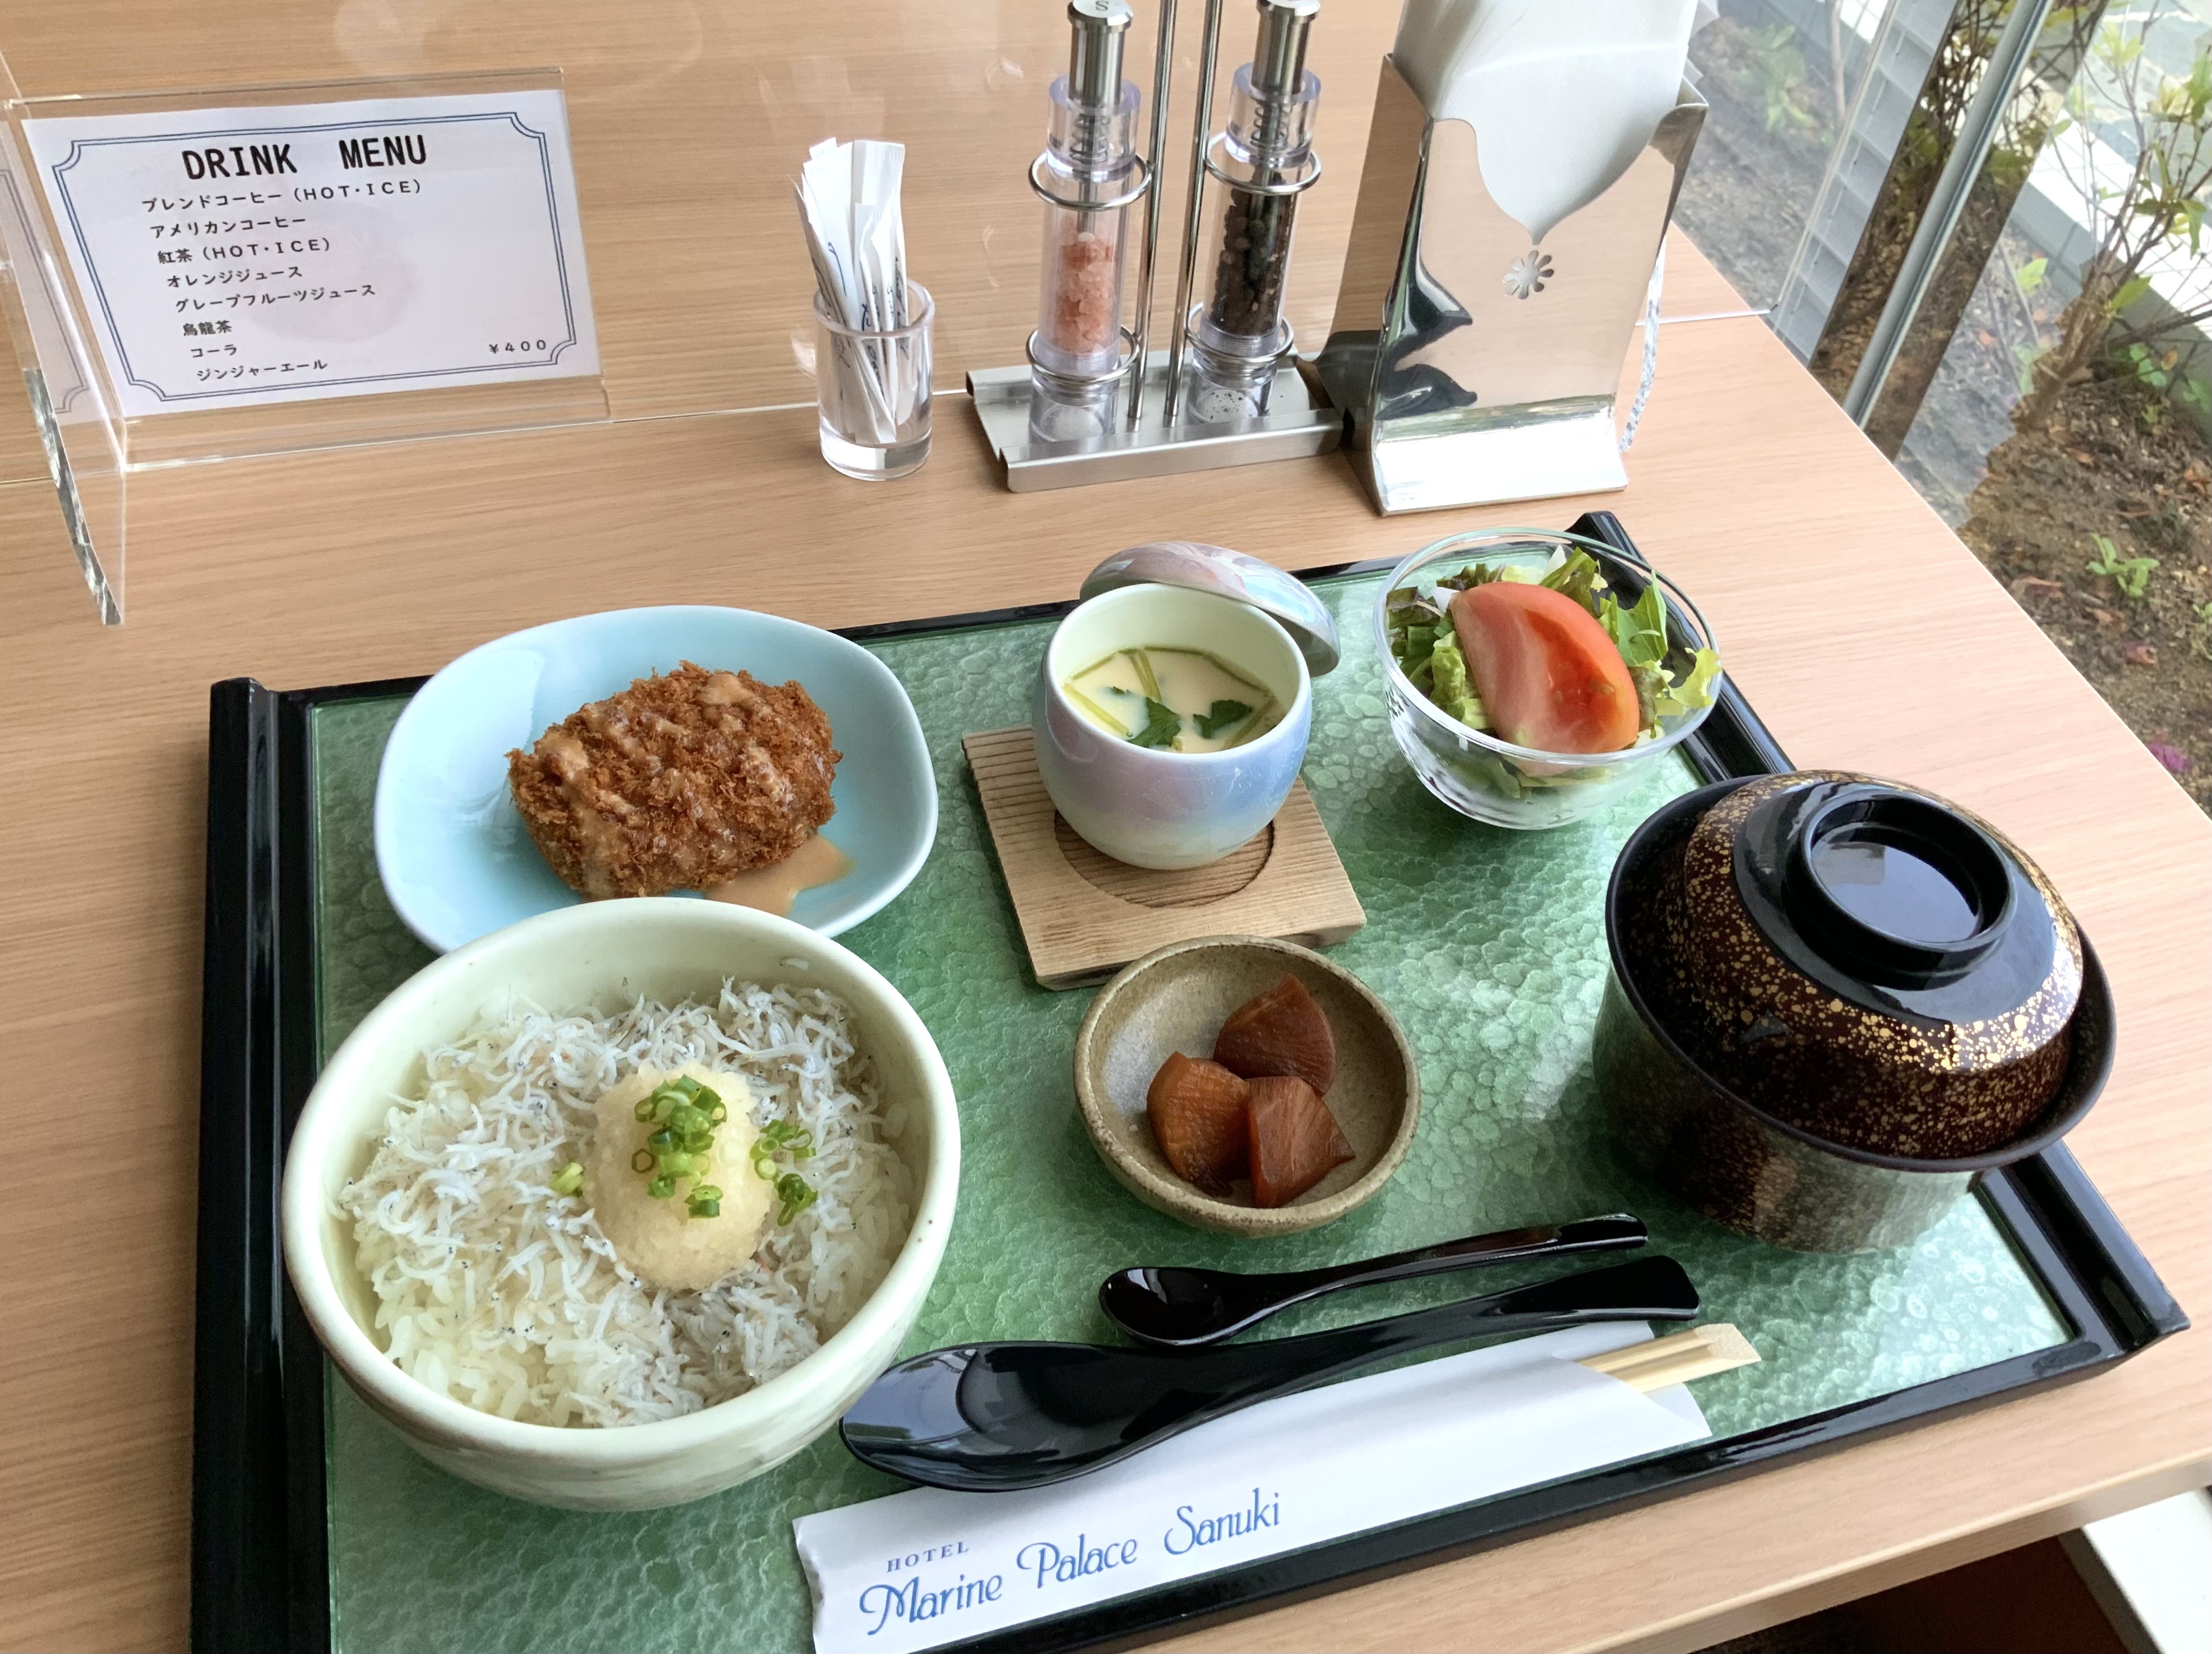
[
  {"x": 1412, "y": 622},
  {"x": 1475, "y": 574},
  {"x": 1693, "y": 691},
  {"x": 1640, "y": 632},
  {"x": 1579, "y": 578},
  {"x": 1452, "y": 690},
  {"x": 1406, "y": 608},
  {"x": 1650, "y": 684}
]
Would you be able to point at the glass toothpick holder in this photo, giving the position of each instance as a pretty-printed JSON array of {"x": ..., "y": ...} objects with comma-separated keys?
[{"x": 873, "y": 390}]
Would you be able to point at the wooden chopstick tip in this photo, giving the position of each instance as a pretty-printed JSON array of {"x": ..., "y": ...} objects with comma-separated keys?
[
  {"x": 1727, "y": 1343},
  {"x": 1678, "y": 1358}
]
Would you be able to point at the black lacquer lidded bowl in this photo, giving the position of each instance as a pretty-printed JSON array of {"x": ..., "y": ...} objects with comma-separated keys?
[{"x": 1835, "y": 1001}]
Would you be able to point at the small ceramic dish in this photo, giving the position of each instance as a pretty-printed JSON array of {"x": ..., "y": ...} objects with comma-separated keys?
[
  {"x": 457, "y": 861},
  {"x": 1176, "y": 999},
  {"x": 1158, "y": 808}
]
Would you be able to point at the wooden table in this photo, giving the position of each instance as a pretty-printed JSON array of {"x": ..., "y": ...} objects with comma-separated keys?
[{"x": 1857, "y": 623}]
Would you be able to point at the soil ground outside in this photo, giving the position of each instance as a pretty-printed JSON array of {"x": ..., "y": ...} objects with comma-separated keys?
[
  {"x": 2101, "y": 468},
  {"x": 2029, "y": 504}
]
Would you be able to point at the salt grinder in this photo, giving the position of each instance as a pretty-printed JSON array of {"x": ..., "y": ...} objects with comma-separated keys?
[
  {"x": 1095, "y": 402},
  {"x": 1089, "y": 176},
  {"x": 1262, "y": 160}
]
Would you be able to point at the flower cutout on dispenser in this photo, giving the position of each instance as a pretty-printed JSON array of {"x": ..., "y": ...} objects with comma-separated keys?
[{"x": 1529, "y": 273}]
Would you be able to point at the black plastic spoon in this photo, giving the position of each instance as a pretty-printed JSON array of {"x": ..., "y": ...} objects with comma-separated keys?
[
  {"x": 989, "y": 1418},
  {"x": 1181, "y": 1308}
]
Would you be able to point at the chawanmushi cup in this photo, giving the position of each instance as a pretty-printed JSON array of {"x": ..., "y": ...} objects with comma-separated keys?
[{"x": 1157, "y": 808}]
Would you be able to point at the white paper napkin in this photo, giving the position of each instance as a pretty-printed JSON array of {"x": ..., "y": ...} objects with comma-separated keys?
[
  {"x": 1563, "y": 94},
  {"x": 922, "y": 1568}
]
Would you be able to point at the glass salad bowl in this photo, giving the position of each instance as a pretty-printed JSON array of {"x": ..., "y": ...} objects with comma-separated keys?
[{"x": 1665, "y": 643}]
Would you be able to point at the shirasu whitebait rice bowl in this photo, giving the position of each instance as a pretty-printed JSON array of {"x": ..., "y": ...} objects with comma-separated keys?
[{"x": 494, "y": 1288}]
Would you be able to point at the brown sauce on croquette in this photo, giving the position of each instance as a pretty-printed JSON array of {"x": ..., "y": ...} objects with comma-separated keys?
[{"x": 774, "y": 888}]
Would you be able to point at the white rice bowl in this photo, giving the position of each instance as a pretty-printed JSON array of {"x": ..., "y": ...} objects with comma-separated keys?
[
  {"x": 488, "y": 1319},
  {"x": 495, "y": 1290}
]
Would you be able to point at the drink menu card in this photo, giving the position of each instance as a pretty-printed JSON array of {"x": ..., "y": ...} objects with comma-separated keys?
[{"x": 240, "y": 256}]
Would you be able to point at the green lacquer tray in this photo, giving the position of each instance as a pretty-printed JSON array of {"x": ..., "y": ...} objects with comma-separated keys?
[{"x": 314, "y": 1526}]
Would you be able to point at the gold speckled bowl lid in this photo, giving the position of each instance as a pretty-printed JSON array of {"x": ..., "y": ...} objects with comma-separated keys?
[{"x": 1871, "y": 962}]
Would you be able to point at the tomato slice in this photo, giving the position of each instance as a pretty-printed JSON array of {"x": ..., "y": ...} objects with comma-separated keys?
[{"x": 1548, "y": 675}]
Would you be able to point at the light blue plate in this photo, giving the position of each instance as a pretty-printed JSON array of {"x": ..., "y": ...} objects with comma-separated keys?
[{"x": 458, "y": 862}]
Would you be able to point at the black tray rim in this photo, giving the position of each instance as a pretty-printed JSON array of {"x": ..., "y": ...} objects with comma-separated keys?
[{"x": 260, "y": 1564}]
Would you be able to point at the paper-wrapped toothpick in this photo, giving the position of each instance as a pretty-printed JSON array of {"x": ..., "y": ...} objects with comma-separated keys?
[{"x": 848, "y": 203}]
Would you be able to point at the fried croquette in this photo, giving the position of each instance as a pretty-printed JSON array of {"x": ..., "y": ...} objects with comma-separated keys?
[{"x": 677, "y": 783}]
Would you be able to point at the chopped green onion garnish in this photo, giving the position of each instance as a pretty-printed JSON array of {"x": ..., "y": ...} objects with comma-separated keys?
[
  {"x": 686, "y": 1113},
  {"x": 796, "y": 1196},
  {"x": 780, "y": 1136},
  {"x": 569, "y": 1179}
]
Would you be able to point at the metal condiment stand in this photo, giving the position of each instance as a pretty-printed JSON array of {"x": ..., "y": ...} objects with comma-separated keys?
[{"x": 1153, "y": 430}]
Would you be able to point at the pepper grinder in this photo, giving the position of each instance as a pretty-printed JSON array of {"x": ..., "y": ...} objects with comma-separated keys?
[
  {"x": 1093, "y": 403},
  {"x": 1262, "y": 160},
  {"x": 1088, "y": 176}
]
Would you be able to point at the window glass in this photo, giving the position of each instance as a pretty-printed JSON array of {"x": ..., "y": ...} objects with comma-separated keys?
[{"x": 2065, "y": 432}]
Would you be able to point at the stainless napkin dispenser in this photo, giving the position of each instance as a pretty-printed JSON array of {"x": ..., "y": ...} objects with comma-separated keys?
[{"x": 1474, "y": 366}]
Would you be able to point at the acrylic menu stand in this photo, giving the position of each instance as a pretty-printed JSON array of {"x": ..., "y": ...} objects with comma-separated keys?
[{"x": 94, "y": 450}]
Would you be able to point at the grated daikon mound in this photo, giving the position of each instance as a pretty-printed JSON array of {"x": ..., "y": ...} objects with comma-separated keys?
[{"x": 496, "y": 1291}]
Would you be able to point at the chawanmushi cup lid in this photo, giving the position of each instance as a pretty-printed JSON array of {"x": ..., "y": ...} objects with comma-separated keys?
[
  {"x": 1216, "y": 568},
  {"x": 1867, "y": 962}
]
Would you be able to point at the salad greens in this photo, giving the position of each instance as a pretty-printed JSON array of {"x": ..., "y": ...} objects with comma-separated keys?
[
  {"x": 1450, "y": 686},
  {"x": 1669, "y": 680}
]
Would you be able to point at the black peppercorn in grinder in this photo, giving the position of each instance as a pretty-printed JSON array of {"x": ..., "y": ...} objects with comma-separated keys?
[{"x": 1262, "y": 162}]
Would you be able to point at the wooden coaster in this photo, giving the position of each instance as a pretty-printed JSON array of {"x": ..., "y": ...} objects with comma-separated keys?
[{"x": 1085, "y": 914}]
